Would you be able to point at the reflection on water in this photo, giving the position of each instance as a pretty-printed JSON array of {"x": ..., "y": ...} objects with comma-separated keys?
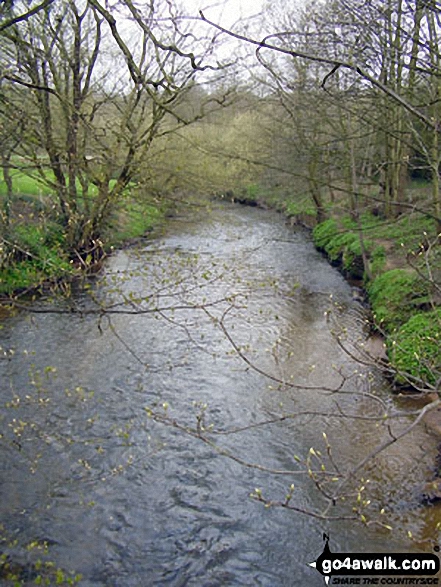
[{"x": 126, "y": 500}]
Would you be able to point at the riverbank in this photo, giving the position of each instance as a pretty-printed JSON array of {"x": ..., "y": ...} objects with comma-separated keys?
[
  {"x": 397, "y": 262},
  {"x": 35, "y": 257},
  {"x": 122, "y": 478}
]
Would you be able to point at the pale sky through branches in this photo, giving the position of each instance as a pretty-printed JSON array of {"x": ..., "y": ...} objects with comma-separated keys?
[
  {"x": 232, "y": 14},
  {"x": 224, "y": 12}
]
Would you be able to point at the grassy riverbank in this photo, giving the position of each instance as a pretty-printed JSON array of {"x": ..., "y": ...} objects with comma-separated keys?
[
  {"x": 34, "y": 253},
  {"x": 398, "y": 263}
]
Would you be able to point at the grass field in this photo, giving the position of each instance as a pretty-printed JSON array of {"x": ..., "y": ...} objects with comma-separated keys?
[
  {"x": 33, "y": 185},
  {"x": 27, "y": 185},
  {"x": 35, "y": 251}
]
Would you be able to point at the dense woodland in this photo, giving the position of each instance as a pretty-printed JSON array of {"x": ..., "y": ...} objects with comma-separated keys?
[{"x": 114, "y": 114}]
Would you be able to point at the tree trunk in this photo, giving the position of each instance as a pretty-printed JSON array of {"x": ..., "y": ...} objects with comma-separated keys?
[{"x": 6, "y": 212}]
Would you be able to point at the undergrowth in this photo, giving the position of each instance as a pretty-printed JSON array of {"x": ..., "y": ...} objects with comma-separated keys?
[
  {"x": 415, "y": 349},
  {"x": 33, "y": 250},
  {"x": 395, "y": 296}
]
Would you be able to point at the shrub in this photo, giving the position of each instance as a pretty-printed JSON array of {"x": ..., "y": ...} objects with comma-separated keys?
[
  {"x": 324, "y": 232},
  {"x": 415, "y": 349},
  {"x": 395, "y": 295}
]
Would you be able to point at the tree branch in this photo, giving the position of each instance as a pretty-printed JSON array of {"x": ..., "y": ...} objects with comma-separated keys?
[
  {"x": 25, "y": 15},
  {"x": 263, "y": 44},
  {"x": 17, "y": 80}
]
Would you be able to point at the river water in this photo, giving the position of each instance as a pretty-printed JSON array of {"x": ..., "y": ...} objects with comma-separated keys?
[{"x": 132, "y": 440}]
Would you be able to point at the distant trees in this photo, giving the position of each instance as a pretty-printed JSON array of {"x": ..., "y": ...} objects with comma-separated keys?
[
  {"x": 93, "y": 93},
  {"x": 358, "y": 85},
  {"x": 86, "y": 90},
  {"x": 220, "y": 153}
]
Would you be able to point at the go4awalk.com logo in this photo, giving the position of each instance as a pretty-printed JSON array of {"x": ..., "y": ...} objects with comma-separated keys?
[{"x": 377, "y": 569}]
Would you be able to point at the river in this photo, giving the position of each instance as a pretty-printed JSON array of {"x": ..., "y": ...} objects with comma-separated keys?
[{"x": 100, "y": 413}]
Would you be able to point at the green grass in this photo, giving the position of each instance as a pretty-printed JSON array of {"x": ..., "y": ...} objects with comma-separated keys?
[
  {"x": 325, "y": 232},
  {"x": 415, "y": 349},
  {"x": 301, "y": 206},
  {"x": 38, "y": 256},
  {"x": 133, "y": 220},
  {"x": 395, "y": 296},
  {"x": 340, "y": 239},
  {"x": 34, "y": 186},
  {"x": 27, "y": 275},
  {"x": 27, "y": 185},
  {"x": 399, "y": 297},
  {"x": 406, "y": 232},
  {"x": 404, "y": 235}
]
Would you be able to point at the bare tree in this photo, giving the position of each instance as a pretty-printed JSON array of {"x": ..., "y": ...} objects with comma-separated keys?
[
  {"x": 382, "y": 52},
  {"x": 96, "y": 114},
  {"x": 8, "y": 18}
]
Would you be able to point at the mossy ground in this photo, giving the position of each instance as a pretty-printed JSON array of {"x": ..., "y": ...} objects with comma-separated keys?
[
  {"x": 404, "y": 261},
  {"x": 399, "y": 285},
  {"x": 395, "y": 296},
  {"x": 415, "y": 350},
  {"x": 34, "y": 251}
]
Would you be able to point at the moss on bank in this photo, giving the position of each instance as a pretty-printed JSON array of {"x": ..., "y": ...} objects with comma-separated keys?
[
  {"x": 40, "y": 256},
  {"x": 415, "y": 350},
  {"x": 340, "y": 240},
  {"x": 395, "y": 296},
  {"x": 401, "y": 297}
]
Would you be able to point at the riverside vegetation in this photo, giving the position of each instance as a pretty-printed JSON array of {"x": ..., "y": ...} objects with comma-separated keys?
[
  {"x": 113, "y": 114},
  {"x": 342, "y": 139},
  {"x": 35, "y": 253},
  {"x": 398, "y": 263}
]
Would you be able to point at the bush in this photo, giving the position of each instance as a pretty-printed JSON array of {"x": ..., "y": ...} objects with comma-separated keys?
[
  {"x": 395, "y": 296},
  {"x": 324, "y": 232},
  {"x": 415, "y": 349},
  {"x": 37, "y": 254}
]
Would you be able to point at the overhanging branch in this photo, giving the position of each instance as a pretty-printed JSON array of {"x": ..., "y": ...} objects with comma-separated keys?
[
  {"x": 25, "y": 15},
  {"x": 335, "y": 63}
]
